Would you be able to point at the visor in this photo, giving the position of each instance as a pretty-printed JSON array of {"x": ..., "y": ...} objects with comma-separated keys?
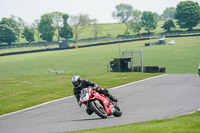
[{"x": 76, "y": 84}]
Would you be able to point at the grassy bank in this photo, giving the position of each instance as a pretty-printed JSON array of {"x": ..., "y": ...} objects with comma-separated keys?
[
  {"x": 182, "y": 124},
  {"x": 181, "y": 57},
  {"x": 113, "y": 30}
]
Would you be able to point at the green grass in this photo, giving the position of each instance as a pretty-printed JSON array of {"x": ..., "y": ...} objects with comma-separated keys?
[
  {"x": 179, "y": 58},
  {"x": 112, "y": 29},
  {"x": 25, "y": 91},
  {"x": 181, "y": 124}
]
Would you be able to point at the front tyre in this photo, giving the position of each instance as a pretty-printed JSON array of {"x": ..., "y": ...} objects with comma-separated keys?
[
  {"x": 98, "y": 109},
  {"x": 117, "y": 112}
]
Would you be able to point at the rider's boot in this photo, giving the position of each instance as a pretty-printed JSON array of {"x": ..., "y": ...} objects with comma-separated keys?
[
  {"x": 89, "y": 111},
  {"x": 113, "y": 98},
  {"x": 107, "y": 94}
]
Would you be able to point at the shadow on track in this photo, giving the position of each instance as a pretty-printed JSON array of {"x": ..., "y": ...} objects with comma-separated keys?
[{"x": 91, "y": 119}]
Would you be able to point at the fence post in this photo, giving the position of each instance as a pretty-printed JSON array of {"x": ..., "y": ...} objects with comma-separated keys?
[
  {"x": 132, "y": 64},
  {"x": 122, "y": 53},
  {"x": 141, "y": 54}
]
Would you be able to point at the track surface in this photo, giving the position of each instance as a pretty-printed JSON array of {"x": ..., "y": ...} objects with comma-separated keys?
[{"x": 157, "y": 98}]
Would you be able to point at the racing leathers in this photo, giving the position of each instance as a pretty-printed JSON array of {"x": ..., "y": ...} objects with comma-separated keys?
[{"x": 85, "y": 84}]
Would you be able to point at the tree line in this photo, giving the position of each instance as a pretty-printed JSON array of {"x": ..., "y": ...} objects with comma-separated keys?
[
  {"x": 61, "y": 25},
  {"x": 50, "y": 25},
  {"x": 186, "y": 15}
]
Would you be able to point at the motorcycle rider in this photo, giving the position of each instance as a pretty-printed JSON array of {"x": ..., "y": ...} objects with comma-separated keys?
[{"x": 80, "y": 84}]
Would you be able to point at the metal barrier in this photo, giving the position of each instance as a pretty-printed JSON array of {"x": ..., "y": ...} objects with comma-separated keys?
[{"x": 55, "y": 71}]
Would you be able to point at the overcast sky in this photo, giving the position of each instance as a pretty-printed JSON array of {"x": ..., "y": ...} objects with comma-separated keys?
[{"x": 29, "y": 10}]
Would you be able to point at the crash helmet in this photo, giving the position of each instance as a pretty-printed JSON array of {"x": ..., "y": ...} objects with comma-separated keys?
[{"x": 76, "y": 81}]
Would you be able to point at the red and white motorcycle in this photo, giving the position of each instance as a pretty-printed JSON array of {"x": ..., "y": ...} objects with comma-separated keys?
[{"x": 99, "y": 104}]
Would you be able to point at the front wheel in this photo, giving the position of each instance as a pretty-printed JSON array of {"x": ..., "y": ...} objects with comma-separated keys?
[
  {"x": 117, "y": 112},
  {"x": 98, "y": 109}
]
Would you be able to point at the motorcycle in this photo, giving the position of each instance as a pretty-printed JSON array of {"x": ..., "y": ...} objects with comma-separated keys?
[{"x": 99, "y": 104}]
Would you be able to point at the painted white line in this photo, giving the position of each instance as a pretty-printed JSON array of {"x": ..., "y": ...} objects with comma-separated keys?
[
  {"x": 36, "y": 106},
  {"x": 193, "y": 111}
]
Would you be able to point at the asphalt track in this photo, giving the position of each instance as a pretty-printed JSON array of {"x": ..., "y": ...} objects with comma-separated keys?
[{"x": 156, "y": 98}]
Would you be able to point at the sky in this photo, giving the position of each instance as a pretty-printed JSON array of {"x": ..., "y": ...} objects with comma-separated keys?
[{"x": 30, "y": 10}]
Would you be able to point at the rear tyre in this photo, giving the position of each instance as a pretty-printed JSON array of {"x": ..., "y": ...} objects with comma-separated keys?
[
  {"x": 117, "y": 112},
  {"x": 98, "y": 109}
]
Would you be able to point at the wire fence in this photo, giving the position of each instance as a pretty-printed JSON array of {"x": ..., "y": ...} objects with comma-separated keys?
[
  {"x": 82, "y": 42},
  {"x": 27, "y": 47}
]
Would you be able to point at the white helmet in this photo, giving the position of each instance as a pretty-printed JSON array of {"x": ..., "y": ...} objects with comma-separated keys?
[{"x": 76, "y": 80}]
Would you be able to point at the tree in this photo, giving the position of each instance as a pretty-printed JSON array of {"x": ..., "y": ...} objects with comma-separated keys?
[
  {"x": 158, "y": 17},
  {"x": 66, "y": 30},
  {"x": 20, "y": 24},
  {"x": 35, "y": 28},
  {"x": 45, "y": 27},
  {"x": 123, "y": 12},
  {"x": 168, "y": 13},
  {"x": 187, "y": 14},
  {"x": 57, "y": 18},
  {"x": 28, "y": 34},
  {"x": 149, "y": 21},
  {"x": 96, "y": 28},
  {"x": 16, "y": 23},
  {"x": 136, "y": 16},
  {"x": 79, "y": 23},
  {"x": 134, "y": 26},
  {"x": 7, "y": 34},
  {"x": 135, "y": 23},
  {"x": 9, "y": 22},
  {"x": 168, "y": 25}
]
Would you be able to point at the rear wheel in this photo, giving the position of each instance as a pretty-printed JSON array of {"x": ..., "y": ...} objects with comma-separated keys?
[{"x": 98, "y": 109}]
